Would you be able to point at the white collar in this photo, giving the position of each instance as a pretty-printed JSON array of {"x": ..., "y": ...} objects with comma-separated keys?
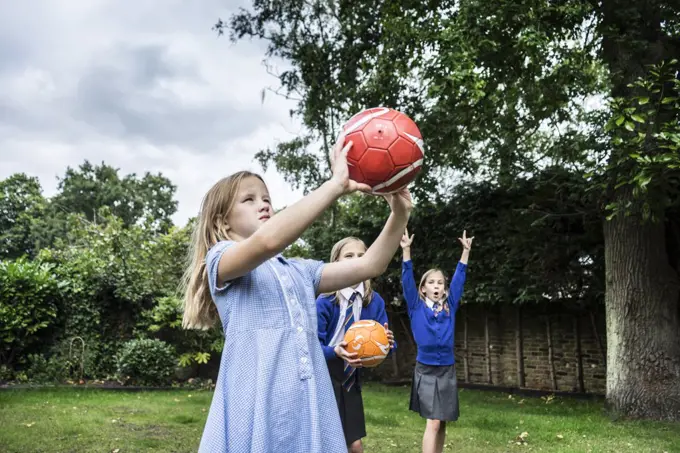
[
  {"x": 430, "y": 303},
  {"x": 343, "y": 303},
  {"x": 347, "y": 292}
]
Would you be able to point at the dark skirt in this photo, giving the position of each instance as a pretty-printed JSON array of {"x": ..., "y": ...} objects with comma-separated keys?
[
  {"x": 434, "y": 392},
  {"x": 350, "y": 404}
]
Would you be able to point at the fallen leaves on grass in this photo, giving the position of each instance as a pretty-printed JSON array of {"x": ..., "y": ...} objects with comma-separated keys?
[{"x": 522, "y": 438}]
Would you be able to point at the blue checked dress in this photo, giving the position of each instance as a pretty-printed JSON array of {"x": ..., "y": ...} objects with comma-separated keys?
[{"x": 273, "y": 392}]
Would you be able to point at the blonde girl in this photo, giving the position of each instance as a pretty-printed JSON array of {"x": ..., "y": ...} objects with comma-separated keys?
[
  {"x": 432, "y": 307},
  {"x": 273, "y": 392},
  {"x": 336, "y": 312}
]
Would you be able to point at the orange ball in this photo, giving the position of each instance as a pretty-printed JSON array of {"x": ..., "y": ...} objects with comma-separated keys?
[{"x": 369, "y": 340}]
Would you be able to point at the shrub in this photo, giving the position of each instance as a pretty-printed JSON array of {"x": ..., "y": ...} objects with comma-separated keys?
[
  {"x": 28, "y": 305},
  {"x": 146, "y": 362}
]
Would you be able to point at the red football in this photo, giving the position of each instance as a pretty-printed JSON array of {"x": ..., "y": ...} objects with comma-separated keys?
[{"x": 387, "y": 151}]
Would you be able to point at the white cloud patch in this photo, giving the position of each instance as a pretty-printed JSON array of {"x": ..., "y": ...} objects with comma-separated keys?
[{"x": 143, "y": 86}]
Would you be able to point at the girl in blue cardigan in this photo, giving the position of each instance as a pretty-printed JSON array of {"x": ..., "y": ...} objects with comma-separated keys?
[
  {"x": 432, "y": 310},
  {"x": 335, "y": 313}
]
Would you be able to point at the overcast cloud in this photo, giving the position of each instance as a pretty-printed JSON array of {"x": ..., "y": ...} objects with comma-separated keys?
[{"x": 142, "y": 85}]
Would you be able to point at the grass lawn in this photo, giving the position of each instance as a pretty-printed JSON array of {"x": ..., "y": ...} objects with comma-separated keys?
[{"x": 84, "y": 420}]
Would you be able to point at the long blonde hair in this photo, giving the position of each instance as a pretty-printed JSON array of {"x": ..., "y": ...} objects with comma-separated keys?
[
  {"x": 335, "y": 256},
  {"x": 211, "y": 227},
  {"x": 424, "y": 277}
]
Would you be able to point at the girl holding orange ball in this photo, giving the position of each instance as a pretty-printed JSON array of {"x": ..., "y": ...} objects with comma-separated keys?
[{"x": 336, "y": 312}]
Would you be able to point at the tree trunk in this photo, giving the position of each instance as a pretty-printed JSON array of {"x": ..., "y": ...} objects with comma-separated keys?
[{"x": 643, "y": 326}]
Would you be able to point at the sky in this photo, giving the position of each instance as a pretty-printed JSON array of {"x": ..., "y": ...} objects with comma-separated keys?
[{"x": 144, "y": 86}]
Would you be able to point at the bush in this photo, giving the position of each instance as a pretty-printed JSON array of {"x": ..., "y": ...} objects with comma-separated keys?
[
  {"x": 78, "y": 358},
  {"x": 146, "y": 362},
  {"x": 28, "y": 305},
  {"x": 6, "y": 373},
  {"x": 164, "y": 321},
  {"x": 43, "y": 370}
]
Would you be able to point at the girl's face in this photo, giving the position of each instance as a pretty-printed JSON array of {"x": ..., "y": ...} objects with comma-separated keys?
[
  {"x": 434, "y": 287},
  {"x": 252, "y": 207},
  {"x": 352, "y": 250}
]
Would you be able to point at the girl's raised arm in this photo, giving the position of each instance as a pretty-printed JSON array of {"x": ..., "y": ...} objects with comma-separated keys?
[
  {"x": 342, "y": 274},
  {"x": 408, "y": 282},
  {"x": 287, "y": 226}
]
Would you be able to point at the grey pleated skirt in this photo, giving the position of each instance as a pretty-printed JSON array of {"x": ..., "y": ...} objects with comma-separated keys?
[{"x": 434, "y": 392}]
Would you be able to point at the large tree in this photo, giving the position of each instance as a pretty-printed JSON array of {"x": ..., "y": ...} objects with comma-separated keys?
[
  {"x": 133, "y": 199},
  {"x": 502, "y": 89}
]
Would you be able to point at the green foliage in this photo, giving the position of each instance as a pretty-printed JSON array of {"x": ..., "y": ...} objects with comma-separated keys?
[
  {"x": 6, "y": 373},
  {"x": 299, "y": 168},
  {"x": 541, "y": 240},
  {"x": 508, "y": 92},
  {"x": 334, "y": 47},
  {"x": 146, "y": 362},
  {"x": 100, "y": 292},
  {"x": 46, "y": 370},
  {"x": 108, "y": 246},
  {"x": 21, "y": 208},
  {"x": 28, "y": 306},
  {"x": 645, "y": 130},
  {"x": 357, "y": 215},
  {"x": 29, "y": 222},
  {"x": 164, "y": 321},
  {"x": 496, "y": 95},
  {"x": 110, "y": 275},
  {"x": 132, "y": 199},
  {"x": 507, "y": 88}
]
